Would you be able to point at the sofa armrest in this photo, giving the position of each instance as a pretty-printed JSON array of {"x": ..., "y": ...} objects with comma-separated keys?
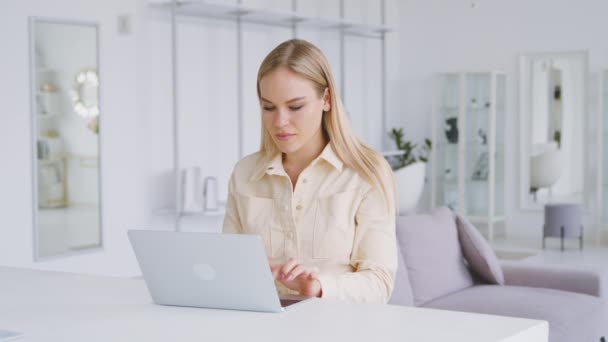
[{"x": 580, "y": 281}]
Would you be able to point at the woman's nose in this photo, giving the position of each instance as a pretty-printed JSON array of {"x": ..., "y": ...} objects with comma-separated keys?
[{"x": 282, "y": 118}]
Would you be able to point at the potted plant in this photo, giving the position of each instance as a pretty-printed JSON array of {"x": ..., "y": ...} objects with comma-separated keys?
[{"x": 409, "y": 165}]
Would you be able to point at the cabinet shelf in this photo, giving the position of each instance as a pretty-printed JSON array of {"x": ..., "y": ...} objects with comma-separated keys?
[{"x": 272, "y": 17}]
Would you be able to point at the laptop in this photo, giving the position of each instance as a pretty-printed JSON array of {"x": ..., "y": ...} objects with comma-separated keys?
[{"x": 208, "y": 270}]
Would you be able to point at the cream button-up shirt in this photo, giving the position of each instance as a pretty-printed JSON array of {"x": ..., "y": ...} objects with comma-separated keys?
[{"x": 333, "y": 223}]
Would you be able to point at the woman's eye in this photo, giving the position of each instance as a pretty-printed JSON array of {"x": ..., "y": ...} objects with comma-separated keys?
[
  {"x": 296, "y": 107},
  {"x": 268, "y": 108}
]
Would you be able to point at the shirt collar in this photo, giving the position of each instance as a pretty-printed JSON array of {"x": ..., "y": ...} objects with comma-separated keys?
[
  {"x": 274, "y": 165},
  {"x": 331, "y": 157}
]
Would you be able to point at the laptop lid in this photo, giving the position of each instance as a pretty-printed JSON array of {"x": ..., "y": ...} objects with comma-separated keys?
[{"x": 209, "y": 270}]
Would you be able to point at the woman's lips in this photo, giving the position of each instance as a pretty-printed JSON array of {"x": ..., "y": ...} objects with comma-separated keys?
[{"x": 284, "y": 136}]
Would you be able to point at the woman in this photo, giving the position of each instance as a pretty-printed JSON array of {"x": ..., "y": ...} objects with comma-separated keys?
[{"x": 322, "y": 201}]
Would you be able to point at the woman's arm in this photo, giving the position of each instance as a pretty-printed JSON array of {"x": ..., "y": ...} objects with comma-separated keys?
[
  {"x": 232, "y": 223},
  {"x": 374, "y": 255}
]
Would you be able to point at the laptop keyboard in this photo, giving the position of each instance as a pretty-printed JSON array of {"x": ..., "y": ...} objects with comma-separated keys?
[{"x": 288, "y": 302}]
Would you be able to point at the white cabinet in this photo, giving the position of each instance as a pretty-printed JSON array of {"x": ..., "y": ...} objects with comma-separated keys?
[{"x": 468, "y": 159}]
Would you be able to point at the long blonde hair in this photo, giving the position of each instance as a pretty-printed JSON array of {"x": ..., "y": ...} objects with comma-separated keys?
[{"x": 308, "y": 61}]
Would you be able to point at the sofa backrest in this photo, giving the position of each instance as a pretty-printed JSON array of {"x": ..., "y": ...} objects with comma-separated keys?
[
  {"x": 431, "y": 254},
  {"x": 402, "y": 291}
]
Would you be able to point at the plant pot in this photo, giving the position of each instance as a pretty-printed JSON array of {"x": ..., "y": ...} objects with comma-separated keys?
[{"x": 410, "y": 183}]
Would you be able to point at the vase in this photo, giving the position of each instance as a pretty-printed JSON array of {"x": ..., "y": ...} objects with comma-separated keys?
[
  {"x": 451, "y": 130},
  {"x": 410, "y": 183}
]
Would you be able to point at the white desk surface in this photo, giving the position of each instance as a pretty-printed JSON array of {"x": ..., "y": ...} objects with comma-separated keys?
[{"x": 50, "y": 306}]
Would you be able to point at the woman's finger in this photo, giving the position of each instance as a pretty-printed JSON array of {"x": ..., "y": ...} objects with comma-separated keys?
[
  {"x": 274, "y": 269},
  {"x": 288, "y": 266},
  {"x": 295, "y": 272}
]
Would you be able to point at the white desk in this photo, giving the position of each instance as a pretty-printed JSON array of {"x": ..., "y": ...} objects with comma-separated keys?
[{"x": 49, "y": 306}]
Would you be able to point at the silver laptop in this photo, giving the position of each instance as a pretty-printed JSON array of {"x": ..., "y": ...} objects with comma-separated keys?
[{"x": 208, "y": 270}]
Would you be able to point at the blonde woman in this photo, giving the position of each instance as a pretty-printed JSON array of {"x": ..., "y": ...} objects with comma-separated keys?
[{"x": 323, "y": 202}]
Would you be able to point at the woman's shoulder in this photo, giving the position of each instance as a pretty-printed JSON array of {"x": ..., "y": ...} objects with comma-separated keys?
[{"x": 248, "y": 165}]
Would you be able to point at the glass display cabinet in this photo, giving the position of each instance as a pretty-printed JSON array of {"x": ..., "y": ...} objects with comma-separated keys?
[
  {"x": 603, "y": 151},
  {"x": 468, "y": 155}
]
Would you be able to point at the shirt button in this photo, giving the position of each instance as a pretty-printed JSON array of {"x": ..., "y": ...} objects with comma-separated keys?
[
  {"x": 298, "y": 207},
  {"x": 304, "y": 180},
  {"x": 289, "y": 235}
]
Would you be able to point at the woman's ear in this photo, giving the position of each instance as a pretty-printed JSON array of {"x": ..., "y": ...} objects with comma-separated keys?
[{"x": 326, "y": 100}]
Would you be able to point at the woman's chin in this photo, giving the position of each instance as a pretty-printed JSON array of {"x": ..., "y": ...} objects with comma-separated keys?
[{"x": 287, "y": 146}]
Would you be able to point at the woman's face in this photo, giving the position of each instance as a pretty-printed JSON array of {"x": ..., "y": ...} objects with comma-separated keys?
[{"x": 291, "y": 109}]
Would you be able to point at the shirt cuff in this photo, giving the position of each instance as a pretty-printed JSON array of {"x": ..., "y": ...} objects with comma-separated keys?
[{"x": 329, "y": 286}]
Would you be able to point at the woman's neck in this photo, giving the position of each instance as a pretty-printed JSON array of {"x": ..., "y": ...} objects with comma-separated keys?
[{"x": 295, "y": 162}]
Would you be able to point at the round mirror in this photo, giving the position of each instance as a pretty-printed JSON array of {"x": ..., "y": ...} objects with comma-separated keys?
[{"x": 84, "y": 93}]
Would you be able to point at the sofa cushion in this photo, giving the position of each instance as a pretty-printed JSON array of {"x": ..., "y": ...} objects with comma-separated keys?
[
  {"x": 571, "y": 316},
  {"x": 402, "y": 291},
  {"x": 478, "y": 253},
  {"x": 431, "y": 252}
]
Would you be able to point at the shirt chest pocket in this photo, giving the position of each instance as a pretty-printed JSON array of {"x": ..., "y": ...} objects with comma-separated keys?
[
  {"x": 334, "y": 228},
  {"x": 255, "y": 214}
]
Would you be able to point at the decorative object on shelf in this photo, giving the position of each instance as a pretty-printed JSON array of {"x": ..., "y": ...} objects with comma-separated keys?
[
  {"x": 451, "y": 129},
  {"x": 557, "y": 93},
  {"x": 449, "y": 175},
  {"x": 409, "y": 167},
  {"x": 93, "y": 125},
  {"x": 51, "y": 180},
  {"x": 191, "y": 180},
  {"x": 483, "y": 137},
  {"x": 49, "y": 87},
  {"x": 51, "y": 170},
  {"x": 49, "y": 99},
  {"x": 210, "y": 194},
  {"x": 50, "y": 145},
  {"x": 474, "y": 103},
  {"x": 557, "y": 137},
  {"x": 199, "y": 196},
  {"x": 451, "y": 196},
  {"x": 482, "y": 168}
]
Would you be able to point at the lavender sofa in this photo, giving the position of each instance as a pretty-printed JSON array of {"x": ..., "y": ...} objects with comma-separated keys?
[{"x": 445, "y": 263}]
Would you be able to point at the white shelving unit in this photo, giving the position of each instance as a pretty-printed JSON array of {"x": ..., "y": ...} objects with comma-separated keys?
[
  {"x": 272, "y": 17},
  {"x": 468, "y": 153},
  {"x": 241, "y": 13}
]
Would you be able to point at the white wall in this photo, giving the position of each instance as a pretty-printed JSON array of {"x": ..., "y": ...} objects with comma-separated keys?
[
  {"x": 136, "y": 132},
  {"x": 444, "y": 35}
]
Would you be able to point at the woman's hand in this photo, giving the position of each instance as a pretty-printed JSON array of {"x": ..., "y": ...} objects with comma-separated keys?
[{"x": 295, "y": 277}]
